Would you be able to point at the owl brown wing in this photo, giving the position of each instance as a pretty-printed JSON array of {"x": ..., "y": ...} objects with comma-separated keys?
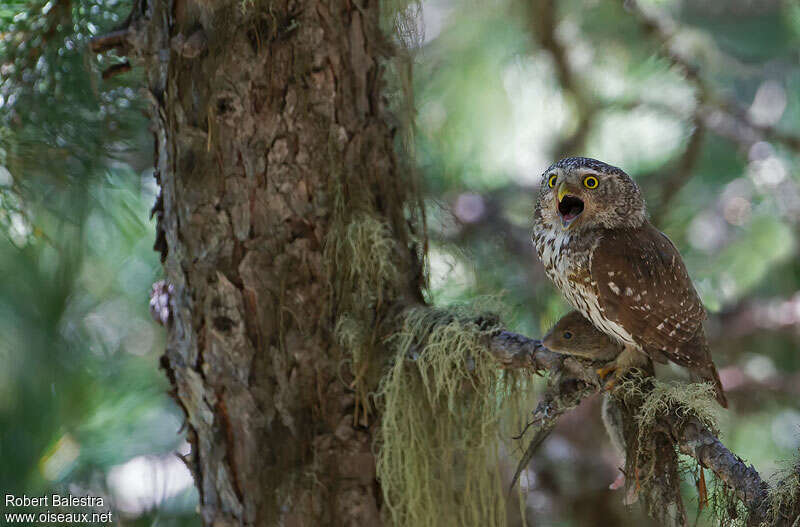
[{"x": 643, "y": 285}]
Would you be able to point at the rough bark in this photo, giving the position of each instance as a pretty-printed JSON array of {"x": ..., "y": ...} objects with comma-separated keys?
[{"x": 269, "y": 122}]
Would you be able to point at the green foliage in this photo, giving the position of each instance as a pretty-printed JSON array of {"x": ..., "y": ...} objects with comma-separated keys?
[{"x": 80, "y": 392}]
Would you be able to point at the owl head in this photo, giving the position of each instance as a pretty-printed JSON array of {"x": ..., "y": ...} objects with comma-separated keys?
[
  {"x": 582, "y": 193},
  {"x": 573, "y": 334}
]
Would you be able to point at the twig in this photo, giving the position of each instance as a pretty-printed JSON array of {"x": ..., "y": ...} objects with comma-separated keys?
[
  {"x": 682, "y": 173},
  {"x": 564, "y": 395},
  {"x": 116, "y": 69},
  {"x": 114, "y": 40}
]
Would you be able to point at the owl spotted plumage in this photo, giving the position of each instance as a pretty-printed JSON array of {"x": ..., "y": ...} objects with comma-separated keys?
[{"x": 592, "y": 234}]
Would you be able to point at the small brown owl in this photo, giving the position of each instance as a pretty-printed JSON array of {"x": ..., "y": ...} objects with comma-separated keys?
[{"x": 592, "y": 234}]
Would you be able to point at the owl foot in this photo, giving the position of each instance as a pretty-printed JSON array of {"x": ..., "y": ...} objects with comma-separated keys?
[
  {"x": 611, "y": 370},
  {"x": 606, "y": 370},
  {"x": 629, "y": 359}
]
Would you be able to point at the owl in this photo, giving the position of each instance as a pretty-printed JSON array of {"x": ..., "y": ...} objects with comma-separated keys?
[{"x": 593, "y": 237}]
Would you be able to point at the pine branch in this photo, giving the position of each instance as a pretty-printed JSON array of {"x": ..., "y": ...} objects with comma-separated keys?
[
  {"x": 689, "y": 435},
  {"x": 696, "y": 440}
]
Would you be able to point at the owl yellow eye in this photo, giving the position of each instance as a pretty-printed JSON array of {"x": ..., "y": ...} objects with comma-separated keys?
[
  {"x": 590, "y": 182},
  {"x": 551, "y": 181}
]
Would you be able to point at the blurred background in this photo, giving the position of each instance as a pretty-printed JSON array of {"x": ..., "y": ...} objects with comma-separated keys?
[{"x": 698, "y": 101}]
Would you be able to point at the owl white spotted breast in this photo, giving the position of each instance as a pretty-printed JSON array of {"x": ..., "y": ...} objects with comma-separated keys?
[{"x": 593, "y": 237}]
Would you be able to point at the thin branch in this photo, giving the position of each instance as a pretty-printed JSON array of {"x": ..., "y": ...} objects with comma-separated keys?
[
  {"x": 114, "y": 40},
  {"x": 544, "y": 24},
  {"x": 721, "y": 114},
  {"x": 116, "y": 69},
  {"x": 682, "y": 173},
  {"x": 733, "y": 109}
]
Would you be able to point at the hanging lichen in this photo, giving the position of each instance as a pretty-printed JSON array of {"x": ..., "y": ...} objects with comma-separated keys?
[
  {"x": 652, "y": 468},
  {"x": 363, "y": 274},
  {"x": 444, "y": 403},
  {"x": 444, "y": 417},
  {"x": 681, "y": 400},
  {"x": 726, "y": 508},
  {"x": 783, "y": 501},
  {"x": 362, "y": 254}
]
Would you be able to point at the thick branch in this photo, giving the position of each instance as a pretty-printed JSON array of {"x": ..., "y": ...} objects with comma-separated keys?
[
  {"x": 696, "y": 440},
  {"x": 518, "y": 351},
  {"x": 515, "y": 351},
  {"x": 691, "y": 437}
]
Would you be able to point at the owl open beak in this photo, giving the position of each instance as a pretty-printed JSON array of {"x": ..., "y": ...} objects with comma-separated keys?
[{"x": 569, "y": 207}]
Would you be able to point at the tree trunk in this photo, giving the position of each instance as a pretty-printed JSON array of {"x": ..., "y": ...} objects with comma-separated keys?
[{"x": 276, "y": 166}]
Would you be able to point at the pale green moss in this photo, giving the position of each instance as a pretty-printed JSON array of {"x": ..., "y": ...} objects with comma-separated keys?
[
  {"x": 362, "y": 255},
  {"x": 694, "y": 400},
  {"x": 362, "y": 275},
  {"x": 783, "y": 502},
  {"x": 652, "y": 400},
  {"x": 444, "y": 410}
]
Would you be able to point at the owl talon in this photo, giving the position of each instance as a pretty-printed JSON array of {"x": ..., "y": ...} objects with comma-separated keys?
[{"x": 606, "y": 370}]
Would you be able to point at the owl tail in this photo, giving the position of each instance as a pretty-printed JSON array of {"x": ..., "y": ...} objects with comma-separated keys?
[
  {"x": 709, "y": 374},
  {"x": 702, "y": 367}
]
